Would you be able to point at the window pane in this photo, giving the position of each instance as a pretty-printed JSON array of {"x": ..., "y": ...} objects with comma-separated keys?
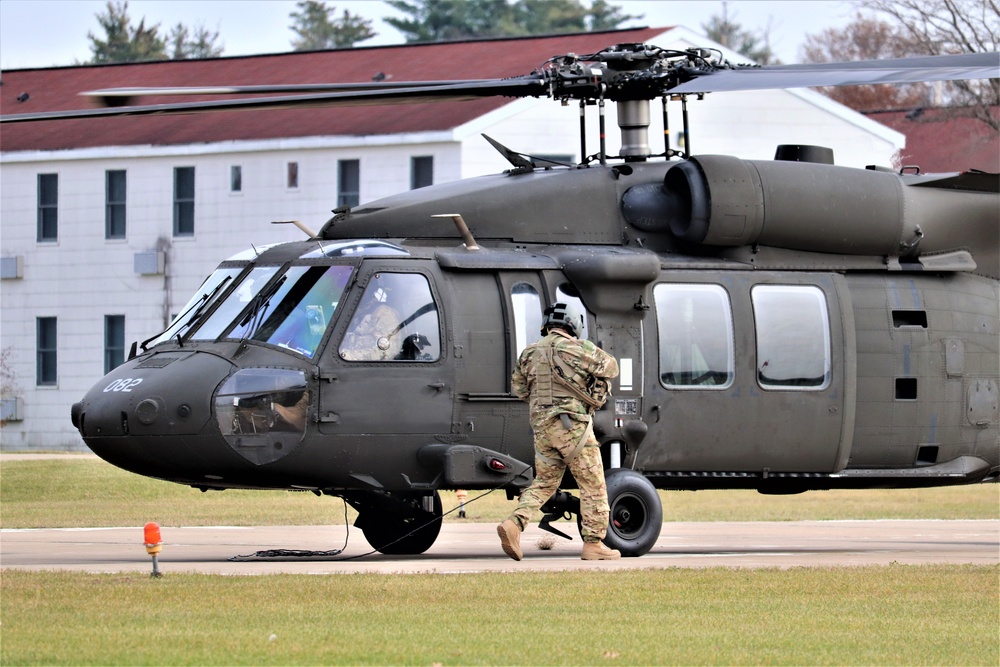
[
  {"x": 527, "y": 316},
  {"x": 793, "y": 337},
  {"x": 397, "y": 320},
  {"x": 183, "y": 201},
  {"x": 237, "y": 301},
  {"x": 45, "y": 345},
  {"x": 348, "y": 182},
  {"x": 236, "y": 178},
  {"x": 300, "y": 320},
  {"x": 421, "y": 172},
  {"x": 293, "y": 174},
  {"x": 114, "y": 342},
  {"x": 48, "y": 207},
  {"x": 114, "y": 209},
  {"x": 695, "y": 327}
]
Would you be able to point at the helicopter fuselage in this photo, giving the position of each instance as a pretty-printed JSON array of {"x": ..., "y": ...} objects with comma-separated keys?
[{"x": 368, "y": 361}]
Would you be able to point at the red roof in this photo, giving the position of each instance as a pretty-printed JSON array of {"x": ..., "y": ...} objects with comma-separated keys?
[
  {"x": 57, "y": 88},
  {"x": 937, "y": 141}
]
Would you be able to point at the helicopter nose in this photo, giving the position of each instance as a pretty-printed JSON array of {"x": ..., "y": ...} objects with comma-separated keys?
[
  {"x": 166, "y": 394},
  {"x": 153, "y": 410}
]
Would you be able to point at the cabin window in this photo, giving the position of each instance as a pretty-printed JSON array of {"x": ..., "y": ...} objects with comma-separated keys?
[
  {"x": 695, "y": 329},
  {"x": 527, "y": 307},
  {"x": 45, "y": 348},
  {"x": 183, "y": 201},
  {"x": 114, "y": 342},
  {"x": 348, "y": 182},
  {"x": 48, "y": 207},
  {"x": 396, "y": 320},
  {"x": 114, "y": 204},
  {"x": 793, "y": 336},
  {"x": 567, "y": 294},
  {"x": 421, "y": 171}
]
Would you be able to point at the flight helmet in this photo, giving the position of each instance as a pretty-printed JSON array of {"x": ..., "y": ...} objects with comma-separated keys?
[{"x": 564, "y": 316}]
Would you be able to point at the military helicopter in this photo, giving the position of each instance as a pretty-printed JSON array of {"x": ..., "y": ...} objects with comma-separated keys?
[{"x": 784, "y": 326}]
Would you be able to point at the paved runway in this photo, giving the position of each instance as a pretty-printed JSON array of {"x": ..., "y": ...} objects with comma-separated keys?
[{"x": 475, "y": 548}]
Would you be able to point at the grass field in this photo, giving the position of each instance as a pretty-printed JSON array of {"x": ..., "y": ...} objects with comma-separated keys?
[
  {"x": 892, "y": 615},
  {"x": 895, "y": 615},
  {"x": 89, "y": 492}
]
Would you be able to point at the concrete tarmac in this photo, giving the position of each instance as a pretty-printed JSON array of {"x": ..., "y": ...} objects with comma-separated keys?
[{"x": 474, "y": 547}]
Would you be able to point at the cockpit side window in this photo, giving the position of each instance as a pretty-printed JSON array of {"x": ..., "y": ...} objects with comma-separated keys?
[
  {"x": 793, "y": 337},
  {"x": 695, "y": 327},
  {"x": 527, "y": 315},
  {"x": 396, "y": 320}
]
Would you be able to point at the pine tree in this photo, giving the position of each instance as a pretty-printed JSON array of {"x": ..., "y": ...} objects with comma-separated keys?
[{"x": 316, "y": 27}]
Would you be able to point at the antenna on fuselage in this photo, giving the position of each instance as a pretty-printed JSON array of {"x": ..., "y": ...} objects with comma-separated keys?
[
  {"x": 308, "y": 232},
  {"x": 463, "y": 229}
]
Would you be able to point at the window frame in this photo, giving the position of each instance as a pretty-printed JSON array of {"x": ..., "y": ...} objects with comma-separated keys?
[
  {"x": 184, "y": 219},
  {"x": 46, "y": 351},
  {"x": 114, "y": 342},
  {"x": 114, "y": 206},
  {"x": 48, "y": 208},
  {"x": 664, "y": 320},
  {"x": 792, "y": 342},
  {"x": 421, "y": 171},
  {"x": 348, "y": 169}
]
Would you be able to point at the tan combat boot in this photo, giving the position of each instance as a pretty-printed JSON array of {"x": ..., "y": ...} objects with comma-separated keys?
[
  {"x": 597, "y": 551},
  {"x": 510, "y": 538}
]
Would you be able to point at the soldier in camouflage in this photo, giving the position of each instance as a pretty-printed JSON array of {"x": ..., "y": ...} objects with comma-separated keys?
[{"x": 564, "y": 379}]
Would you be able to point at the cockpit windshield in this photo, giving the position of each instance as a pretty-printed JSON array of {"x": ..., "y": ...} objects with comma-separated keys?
[
  {"x": 213, "y": 286},
  {"x": 291, "y": 311}
]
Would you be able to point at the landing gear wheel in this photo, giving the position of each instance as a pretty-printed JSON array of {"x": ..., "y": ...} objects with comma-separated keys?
[
  {"x": 636, "y": 513},
  {"x": 386, "y": 532}
]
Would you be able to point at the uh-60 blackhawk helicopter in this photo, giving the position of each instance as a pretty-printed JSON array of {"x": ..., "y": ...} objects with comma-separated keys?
[{"x": 780, "y": 325}]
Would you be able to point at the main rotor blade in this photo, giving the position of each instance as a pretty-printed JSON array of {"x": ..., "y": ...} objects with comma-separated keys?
[
  {"x": 115, "y": 97},
  {"x": 895, "y": 70},
  {"x": 529, "y": 86}
]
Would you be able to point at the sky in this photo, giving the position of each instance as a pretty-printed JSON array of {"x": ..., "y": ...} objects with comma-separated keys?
[{"x": 45, "y": 33}]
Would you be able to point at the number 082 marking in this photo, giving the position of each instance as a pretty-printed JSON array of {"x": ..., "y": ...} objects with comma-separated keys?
[{"x": 124, "y": 384}]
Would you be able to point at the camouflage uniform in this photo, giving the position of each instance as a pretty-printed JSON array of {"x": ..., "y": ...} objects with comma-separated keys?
[
  {"x": 555, "y": 446},
  {"x": 362, "y": 342}
]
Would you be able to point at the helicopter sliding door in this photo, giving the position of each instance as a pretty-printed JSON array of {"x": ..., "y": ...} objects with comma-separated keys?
[{"x": 755, "y": 374}]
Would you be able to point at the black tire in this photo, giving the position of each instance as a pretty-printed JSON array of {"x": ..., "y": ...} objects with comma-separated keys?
[
  {"x": 388, "y": 534},
  {"x": 636, "y": 512}
]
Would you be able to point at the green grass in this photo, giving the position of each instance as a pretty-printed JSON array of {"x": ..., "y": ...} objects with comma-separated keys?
[
  {"x": 895, "y": 615},
  {"x": 50, "y": 493}
]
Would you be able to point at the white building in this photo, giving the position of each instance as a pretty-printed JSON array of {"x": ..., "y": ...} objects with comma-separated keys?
[{"x": 107, "y": 226}]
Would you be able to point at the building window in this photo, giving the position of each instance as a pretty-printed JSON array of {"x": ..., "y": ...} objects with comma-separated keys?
[
  {"x": 695, "y": 331},
  {"x": 421, "y": 172},
  {"x": 114, "y": 204},
  {"x": 293, "y": 175},
  {"x": 236, "y": 178},
  {"x": 348, "y": 182},
  {"x": 45, "y": 345},
  {"x": 183, "y": 201},
  {"x": 114, "y": 342},
  {"x": 793, "y": 336},
  {"x": 48, "y": 207}
]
